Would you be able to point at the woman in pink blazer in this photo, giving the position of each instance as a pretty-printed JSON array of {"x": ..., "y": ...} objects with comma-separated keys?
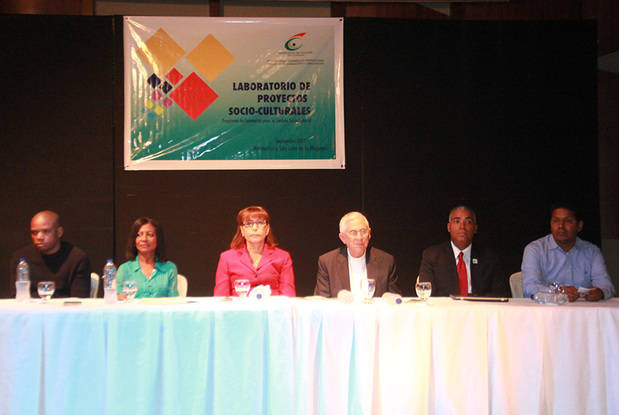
[{"x": 253, "y": 255}]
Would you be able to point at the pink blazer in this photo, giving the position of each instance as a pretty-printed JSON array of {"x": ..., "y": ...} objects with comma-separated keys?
[{"x": 274, "y": 269}]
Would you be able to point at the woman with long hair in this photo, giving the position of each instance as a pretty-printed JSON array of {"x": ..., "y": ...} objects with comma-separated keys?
[{"x": 146, "y": 262}]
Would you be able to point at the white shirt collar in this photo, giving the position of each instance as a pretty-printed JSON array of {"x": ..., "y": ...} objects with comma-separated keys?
[
  {"x": 466, "y": 252},
  {"x": 352, "y": 259}
]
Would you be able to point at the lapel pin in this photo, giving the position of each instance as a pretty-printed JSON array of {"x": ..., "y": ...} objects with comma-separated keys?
[{"x": 474, "y": 260}]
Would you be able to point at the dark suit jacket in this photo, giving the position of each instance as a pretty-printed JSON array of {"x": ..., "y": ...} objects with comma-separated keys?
[
  {"x": 438, "y": 266},
  {"x": 332, "y": 275}
]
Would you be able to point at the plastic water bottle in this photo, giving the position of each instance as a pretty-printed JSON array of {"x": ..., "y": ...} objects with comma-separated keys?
[
  {"x": 22, "y": 281},
  {"x": 345, "y": 297},
  {"x": 550, "y": 298},
  {"x": 109, "y": 279},
  {"x": 392, "y": 298}
]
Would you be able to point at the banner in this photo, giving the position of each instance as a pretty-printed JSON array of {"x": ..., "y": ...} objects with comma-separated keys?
[{"x": 233, "y": 93}]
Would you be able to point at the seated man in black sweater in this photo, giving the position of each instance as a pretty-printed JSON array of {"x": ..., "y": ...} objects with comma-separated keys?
[{"x": 51, "y": 259}]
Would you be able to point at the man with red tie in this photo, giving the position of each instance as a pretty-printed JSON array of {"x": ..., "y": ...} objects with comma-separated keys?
[{"x": 460, "y": 267}]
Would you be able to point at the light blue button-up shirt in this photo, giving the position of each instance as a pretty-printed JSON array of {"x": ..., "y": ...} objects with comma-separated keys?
[{"x": 582, "y": 266}]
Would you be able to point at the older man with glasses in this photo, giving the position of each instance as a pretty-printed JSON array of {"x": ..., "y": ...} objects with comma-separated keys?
[{"x": 350, "y": 266}]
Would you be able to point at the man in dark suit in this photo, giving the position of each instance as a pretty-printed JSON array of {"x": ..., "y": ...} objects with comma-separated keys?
[
  {"x": 460, "y": 267},
  {"x": 349, "y": 267}
]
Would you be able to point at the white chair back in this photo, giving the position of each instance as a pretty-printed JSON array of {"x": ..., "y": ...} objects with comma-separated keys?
[
  {"x": 94, "y": 284},
  {"x": 181, "y": 282},
  {"x": 515, "y": 284}
]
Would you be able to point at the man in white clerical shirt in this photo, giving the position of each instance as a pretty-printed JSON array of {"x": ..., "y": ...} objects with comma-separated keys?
[{"x": 350, "y": 266}]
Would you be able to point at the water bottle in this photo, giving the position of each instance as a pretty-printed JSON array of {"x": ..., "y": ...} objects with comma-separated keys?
[
  {"x": 550, "y": 298},
  {"x": 260, "y": 292},
  {"x": 22, "y": 282},
  {"x": 392, "y": 298},
  {"x": 345, "y": 297},
  {"x": 109, "y": 282}
]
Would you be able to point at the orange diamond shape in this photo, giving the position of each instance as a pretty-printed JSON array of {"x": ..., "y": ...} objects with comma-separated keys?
[
  {"x": 161, "y": 52},
  {"x": 210, "y": 58}
]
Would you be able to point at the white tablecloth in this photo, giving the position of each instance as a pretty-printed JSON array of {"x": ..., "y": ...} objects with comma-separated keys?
[{"x": 287, "y": 356}]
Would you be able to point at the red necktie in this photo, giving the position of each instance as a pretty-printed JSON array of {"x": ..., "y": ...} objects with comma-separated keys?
[{"x": 464, "y": 282}]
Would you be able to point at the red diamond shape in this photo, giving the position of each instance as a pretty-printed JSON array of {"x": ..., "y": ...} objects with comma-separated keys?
[
  {"x": 174, "y": 76},
  {"x": 193, "y": 96}
]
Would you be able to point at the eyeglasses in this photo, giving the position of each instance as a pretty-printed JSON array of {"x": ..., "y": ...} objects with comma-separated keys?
[
  {"x": 259, "y": 223},
  {"x": 353, "y": 233}
]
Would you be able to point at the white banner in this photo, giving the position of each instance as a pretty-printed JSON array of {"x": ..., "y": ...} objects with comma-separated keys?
[{"x": 220, "y": 93}]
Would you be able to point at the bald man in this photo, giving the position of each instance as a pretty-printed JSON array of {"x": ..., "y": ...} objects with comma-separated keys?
[{"x": 52, "y": 259}]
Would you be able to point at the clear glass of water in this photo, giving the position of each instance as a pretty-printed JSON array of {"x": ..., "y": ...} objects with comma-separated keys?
[
  {"x": 423, "y": 290},
  {"x": 241, "y": 287},
  {"x": 370, "y": 290},
  {"x": 130, "y": 289},
  {"x": 46, "y": 290}
]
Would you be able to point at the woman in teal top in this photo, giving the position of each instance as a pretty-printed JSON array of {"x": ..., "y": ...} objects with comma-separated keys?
[{"x": 147, "y": 264}]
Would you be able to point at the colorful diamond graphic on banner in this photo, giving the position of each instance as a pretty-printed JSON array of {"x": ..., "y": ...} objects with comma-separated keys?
[
  {"x": 193, "y": 96},
  {"x": 153, "y": 81},
  {"x": 210, "y": 58},
  {"x": 174, "y": 76},
  {"x": 161, "y": 52},
  {"x": 166, "y": 87}
]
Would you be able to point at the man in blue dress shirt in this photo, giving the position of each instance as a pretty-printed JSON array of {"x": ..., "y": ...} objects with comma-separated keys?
[{"x": 565, "y": 258}]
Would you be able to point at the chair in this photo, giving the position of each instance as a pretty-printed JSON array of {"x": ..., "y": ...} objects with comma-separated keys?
[
  {"x": 94, "y": 284},
  {"x": 182, "y": 284},
  {"x": 515, "y": 284}
]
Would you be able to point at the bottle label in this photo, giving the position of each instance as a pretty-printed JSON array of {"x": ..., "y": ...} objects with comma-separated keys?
[{"x": 22, "y": 290}]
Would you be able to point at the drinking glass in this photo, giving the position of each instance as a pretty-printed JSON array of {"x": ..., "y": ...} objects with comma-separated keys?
[
  {"x": 370, "y": 290},
  {"x": 423, "y": 290},
  {"x": 130, "y": 289},
  {"x": 241, "y": 287},
  {"x": 46, "y": 290}
]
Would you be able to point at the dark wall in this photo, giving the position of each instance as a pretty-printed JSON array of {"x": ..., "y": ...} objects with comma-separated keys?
[
  {"x": 500, "y": 115},
  {"x": 56, "y": 134}
]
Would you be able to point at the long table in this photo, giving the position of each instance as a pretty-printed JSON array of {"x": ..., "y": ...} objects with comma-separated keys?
[{"x": 308, "y": 356}]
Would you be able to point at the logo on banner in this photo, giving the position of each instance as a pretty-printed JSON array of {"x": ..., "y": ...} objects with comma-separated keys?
[
  {"x": 169, "y": 86},
  {"x": 294, "y": 42}
]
